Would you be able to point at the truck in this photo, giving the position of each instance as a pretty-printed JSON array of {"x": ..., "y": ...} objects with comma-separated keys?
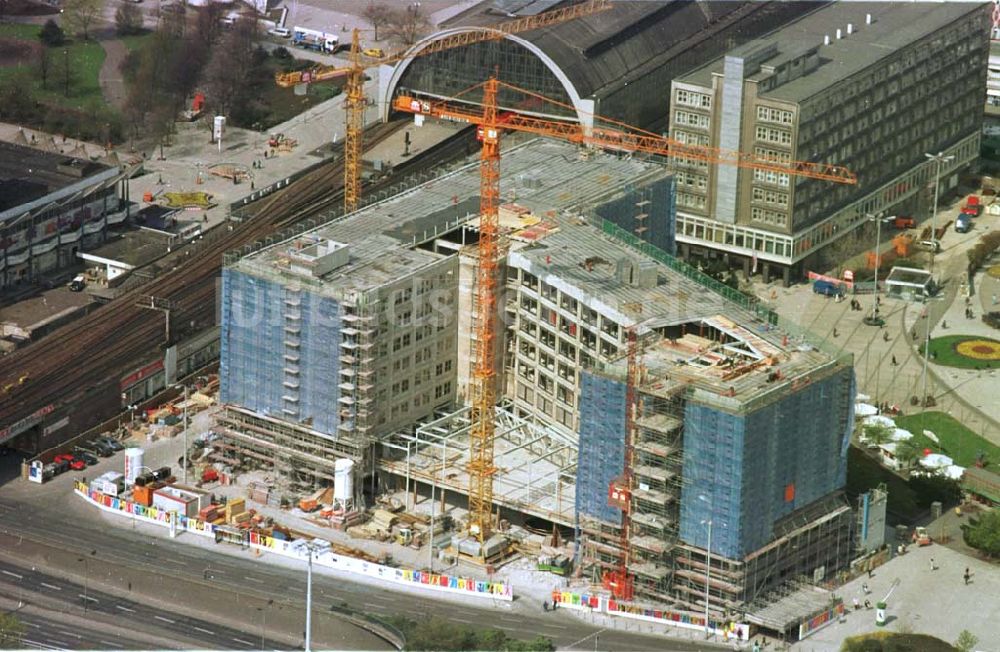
[
  {"x": 903, "y": 222},
  {"x": 827, "y": 288},
  {"x": 973, "y": 207},
  {"x": 963, "y": 223},
  {"x": 312, "y": 39}
]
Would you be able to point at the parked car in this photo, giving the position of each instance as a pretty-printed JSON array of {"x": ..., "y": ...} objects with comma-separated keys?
[
  {"x": 280, "y": 32},
  {"x": 77, "y": 464},
  {"x": 929, "y": 245},
  {"x": 101, "y": 448},
  {"x": 85, "y": 455},
  {"x": 111, "y": 443},
  {"x": 62, "y": 457},
  {"x": 903, "y": 222},
  {"x": 78, "y": 283},
  {"x": 374, "y": 53},
  {"x": 963, "y": 223}
]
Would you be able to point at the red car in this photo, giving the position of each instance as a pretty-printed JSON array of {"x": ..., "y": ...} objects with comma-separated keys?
[{"x": 74, "y": 463}]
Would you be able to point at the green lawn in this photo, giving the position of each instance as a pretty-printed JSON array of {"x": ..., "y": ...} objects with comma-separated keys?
[
  {"x": 943, "y": 352},
  {"x": 84, "y": 59},
  {"x": 957, "y": 442},
  {"x": 136, "y": 41}
]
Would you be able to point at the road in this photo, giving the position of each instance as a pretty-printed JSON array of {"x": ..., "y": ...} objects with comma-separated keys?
[
  {"x": 24, "y": 582},
  {"x": 39, "y": 528}
]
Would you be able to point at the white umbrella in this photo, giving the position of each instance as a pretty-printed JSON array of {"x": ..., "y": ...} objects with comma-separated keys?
[
  {"x": 864, "y": 410},
  {"x": 880, "y": 419},
  {"x": 936, "y": 461},
  {"x": 901, "y": 435}
]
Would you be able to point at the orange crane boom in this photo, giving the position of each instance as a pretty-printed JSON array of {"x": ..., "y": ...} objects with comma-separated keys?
[
  {"x": 358, "y": 62},
  {"x": 620, "y": 136}
]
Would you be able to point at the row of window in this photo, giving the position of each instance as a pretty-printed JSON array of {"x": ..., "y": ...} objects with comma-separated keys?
[
  {"x": 691, "y": 119},
  {"x": 772, "y": 177},
  {"x": 689, "y": 138},
  {"x": 772, "y": 197},
  {"x": 691, "y": 98},
  {"x": 774, "y": 135},
  {"x": 774, "y": 218},
  {"x": 770, "y": 114},
  {"x": 690, "y": 200},
  {"x": 691, "y": 180}
]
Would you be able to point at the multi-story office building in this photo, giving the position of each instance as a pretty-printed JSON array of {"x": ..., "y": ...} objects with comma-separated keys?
[{"x": 872, "y": 87}]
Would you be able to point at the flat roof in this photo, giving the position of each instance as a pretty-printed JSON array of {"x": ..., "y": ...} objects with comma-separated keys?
[
  {"x": 895, "y": 25},
  {"x": 27, "y": 173},
  {"x": 544, "y": 176}
]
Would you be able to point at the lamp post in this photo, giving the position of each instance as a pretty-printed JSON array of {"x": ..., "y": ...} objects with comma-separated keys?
[
  {"x": 86, "y": 578},
  {"x": 309, "y": 597},
  {"x": 708, "y": 574},
  {"x": 873, "y": 319},
  {"x": 938, "y": 159},
  {"x": 263, "y": 620}
]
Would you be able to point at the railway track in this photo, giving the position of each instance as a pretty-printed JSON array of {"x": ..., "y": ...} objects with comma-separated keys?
[
  {"x": 81, "y": 362},
  {"x": 121, "y": 335}
]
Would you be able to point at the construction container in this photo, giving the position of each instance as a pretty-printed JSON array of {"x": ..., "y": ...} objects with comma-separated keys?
[
  {"x": 143, "y": 494},
  {"x": 234, "y": 507},
  {"x": 343, "y": 480},
  {"x": 133, "y": 464}
]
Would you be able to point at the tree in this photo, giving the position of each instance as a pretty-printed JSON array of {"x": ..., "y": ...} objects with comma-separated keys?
[
  {"x": 407, "y": 24},
  {"x": 51, "y": 34},
  {"x": 377, "y": 15},
  {"x": 44, "y": 62},
  {"x": 81, "y": 14},
  {"x": 11, "y": 631},
  {"x": 877, "y": 433},
  {"x": 908, "y": 452},
  {"x": 228, "y": 71},
  {"x": 128, "y": 19},
  {"x": 966, "y": 641},
  {"x": 983, "y": 533}
]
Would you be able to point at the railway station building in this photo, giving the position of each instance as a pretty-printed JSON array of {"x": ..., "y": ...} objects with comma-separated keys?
[
  {"x": 617, "y": 63},
  {"x": 52, "y": 207}
]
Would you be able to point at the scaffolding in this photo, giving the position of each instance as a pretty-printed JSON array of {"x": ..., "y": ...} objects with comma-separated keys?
[{"x": 536, "y": 465}]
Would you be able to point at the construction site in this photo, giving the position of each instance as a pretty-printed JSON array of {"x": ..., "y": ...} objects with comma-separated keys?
[{"x": 690, "y": 406}]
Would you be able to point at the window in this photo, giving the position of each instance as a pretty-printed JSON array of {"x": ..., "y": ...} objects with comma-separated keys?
[
  {"x": 689, "y": 138},
  {"x": 547, "y": 337},
  {"x": 770, "y": 114},
  {"x": 566, "y": 373},
  {"x": 549, "y": 292},
  {"x": 567, "y": 350},
  {"x": 588, "y": 338},
  {"x": 526, "y": 371},
  {"x": 772, "y": 135},
  {"x": 768, "y": 217},
  {"x": 610, "y": 327},
  {"x": 568, "y": 303},
  {"x": 691, "y": 98},
  {"x": 691, "y": 119},
  {"x": 690, "y": 200},
  {"x": 772, "y": 177},
  {"x": 525, "y": 393},
  {"x": 529, "y": 304},
  {"x": 564, "y": 395},
  {"x": 545, "y": 383},
  {"x": 547, "y": 361},
  {"x": 772, "y": 197},
  {"x": 528, "y": 327}
]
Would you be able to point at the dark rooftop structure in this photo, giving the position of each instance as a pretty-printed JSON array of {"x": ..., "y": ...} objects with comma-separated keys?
[
  {"x": 617, "y": 63},
  {"x": 28, "y": 175}
]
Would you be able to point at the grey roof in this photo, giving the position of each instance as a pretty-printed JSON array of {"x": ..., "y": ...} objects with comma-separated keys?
[
  {"x": 27, "y": 173},
  {"x": 895, "y": 25},
  {"x": 608, "y": 49},
  {"x": 541, "y": 175}
]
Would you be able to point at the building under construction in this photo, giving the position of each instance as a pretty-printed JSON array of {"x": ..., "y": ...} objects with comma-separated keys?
[{"x": 355, "y": 340}]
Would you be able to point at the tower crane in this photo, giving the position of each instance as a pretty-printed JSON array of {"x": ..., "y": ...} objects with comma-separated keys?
[
  {"x": 358, "y": 62},
  {"x": 617, "y": 136}
]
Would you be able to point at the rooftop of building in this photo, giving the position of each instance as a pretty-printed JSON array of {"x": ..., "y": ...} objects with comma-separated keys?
[
  {"x": 27, "y": 174},
  {"x": 601, "y": 52},
  {"x": 544, "y": 176},
  {"x": 893, "y": 26}
]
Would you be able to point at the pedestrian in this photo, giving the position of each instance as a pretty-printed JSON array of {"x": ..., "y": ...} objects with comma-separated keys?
[
  {"x": 967, "y": 576},
  {"x": 868, "y": 604},
  {"x": 864, "y": 587},
  {"x": 545, "y": 605},
  {"x": 994, "y": 299},
  {"x": 913, "y": 334},
  {"x": 835, "y": 331},
  {"x": 857, "y": 603},
  {"x": 933, "y": 565},
  {"x": 871, "y": 573},
  {"x": 885, "y": 336},
  {"x": 893, "y": 361}
]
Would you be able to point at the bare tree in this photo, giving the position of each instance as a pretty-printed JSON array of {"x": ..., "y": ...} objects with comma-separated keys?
[
  {"x": 128, "y": 19},
  {"x": 44, "y": 65},
  {"x": 229, "y": 67},
  {"x": 81, "y": 14},
  {"x": 377, "y": 15},
  {"x": 408, "y": 24}
]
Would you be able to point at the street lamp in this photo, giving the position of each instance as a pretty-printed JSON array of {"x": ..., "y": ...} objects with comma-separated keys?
[
  {"x": 86, "y": 577},
  {"x": 938, "y": 159},
  {"x": 263, "y": 620},
  {"x": 873, "y": 319},
  {"x": 310, "y": 548}
]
